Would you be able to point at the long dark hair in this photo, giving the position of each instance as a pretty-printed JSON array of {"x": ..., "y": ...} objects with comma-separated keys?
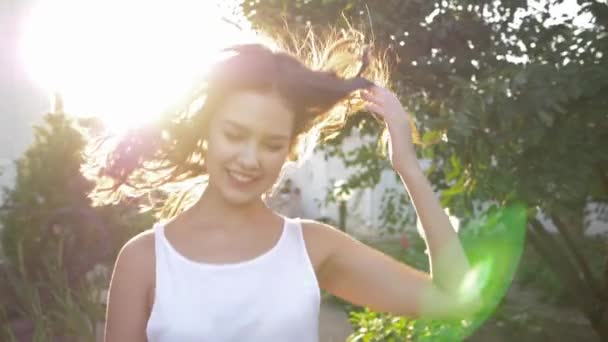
[{"x": 316, "y": 81}]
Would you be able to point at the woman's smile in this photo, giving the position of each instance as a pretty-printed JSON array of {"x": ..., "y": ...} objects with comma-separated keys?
[{"x": 241, "y": 179}]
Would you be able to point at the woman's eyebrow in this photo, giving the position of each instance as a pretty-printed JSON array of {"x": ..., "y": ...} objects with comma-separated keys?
[{"x": 234, "y": 124}]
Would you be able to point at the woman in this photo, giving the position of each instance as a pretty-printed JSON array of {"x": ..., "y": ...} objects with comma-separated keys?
[{"x": 228, "y": 268}]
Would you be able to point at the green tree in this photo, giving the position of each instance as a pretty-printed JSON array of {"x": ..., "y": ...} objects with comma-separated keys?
[
  {"x": 511, "y": 106},
  {"x": 51, "y": 235},
  {"x": 47, "y": 179}
]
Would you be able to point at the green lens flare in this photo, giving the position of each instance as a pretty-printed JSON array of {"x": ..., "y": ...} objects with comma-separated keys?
[{"x": 494, "y": 244}]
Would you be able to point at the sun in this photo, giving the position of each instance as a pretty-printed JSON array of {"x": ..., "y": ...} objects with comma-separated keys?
[{"x": 126, "y": 61}]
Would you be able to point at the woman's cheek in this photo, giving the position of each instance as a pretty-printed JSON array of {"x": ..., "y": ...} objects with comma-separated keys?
[{"x": 274, "y": 164}]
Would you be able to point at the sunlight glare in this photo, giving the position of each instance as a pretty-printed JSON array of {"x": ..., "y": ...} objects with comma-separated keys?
[{"x": 125, "y": 61}]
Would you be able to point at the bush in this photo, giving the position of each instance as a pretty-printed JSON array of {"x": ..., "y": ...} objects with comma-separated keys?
[{"x": 53, "y": 309}]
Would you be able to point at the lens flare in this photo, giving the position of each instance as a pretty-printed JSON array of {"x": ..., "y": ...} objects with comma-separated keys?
[
  {"x": 125, "y": 61},
  {"x": 494, "y": 244}
]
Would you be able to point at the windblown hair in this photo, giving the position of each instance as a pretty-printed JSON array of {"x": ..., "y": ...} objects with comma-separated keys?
[{"x": 317, "y": 80}]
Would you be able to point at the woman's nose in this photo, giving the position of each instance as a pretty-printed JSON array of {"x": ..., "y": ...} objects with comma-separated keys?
[{"x": 248, "y": 157}]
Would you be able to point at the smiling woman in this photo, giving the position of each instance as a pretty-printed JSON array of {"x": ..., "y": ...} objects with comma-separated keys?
[{"x": 125, "y": 61}]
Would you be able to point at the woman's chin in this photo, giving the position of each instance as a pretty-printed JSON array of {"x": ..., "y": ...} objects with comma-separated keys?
[{"x": 238, "y": 198}]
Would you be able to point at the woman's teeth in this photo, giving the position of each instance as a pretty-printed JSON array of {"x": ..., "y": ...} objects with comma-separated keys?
[{"x": 241, "y": 177}]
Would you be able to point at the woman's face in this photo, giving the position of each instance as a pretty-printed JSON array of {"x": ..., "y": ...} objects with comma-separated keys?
[{"x": 248, "y": 142}]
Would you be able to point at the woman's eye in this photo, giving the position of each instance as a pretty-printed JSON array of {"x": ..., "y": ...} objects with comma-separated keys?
[
  {"x": 233, "y": 136},
  {"x": 274, "y": 147}
]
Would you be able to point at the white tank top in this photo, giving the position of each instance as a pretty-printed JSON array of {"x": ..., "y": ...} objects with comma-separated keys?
[{"x": 272, "y": 297}]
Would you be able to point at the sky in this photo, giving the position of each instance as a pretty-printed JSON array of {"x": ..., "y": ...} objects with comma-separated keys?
[{"x": 21, "y": 101}]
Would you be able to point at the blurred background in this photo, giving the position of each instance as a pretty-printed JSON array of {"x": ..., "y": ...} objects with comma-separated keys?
[{"x": 510, "y": 100}]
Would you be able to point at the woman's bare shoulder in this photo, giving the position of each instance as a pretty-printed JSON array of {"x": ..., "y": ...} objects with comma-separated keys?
[
  {"x": 130, "y": 289},
  {"x": 141, "y": 243},
  {"x": 318, "y": 240},
  {"x": 317, "y": 229},
  {"x": 136, "y": 257}
]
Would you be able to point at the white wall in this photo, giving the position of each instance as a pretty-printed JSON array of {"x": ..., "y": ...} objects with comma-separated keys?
[
  {"x": 314, "y": 177},
  {"x": 597, "y": 226}
]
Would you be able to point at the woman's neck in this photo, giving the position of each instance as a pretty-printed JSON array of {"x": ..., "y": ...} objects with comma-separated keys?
[{"x": 212, "y": 208}]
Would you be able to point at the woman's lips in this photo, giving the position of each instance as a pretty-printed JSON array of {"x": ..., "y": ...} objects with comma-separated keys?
[{"x": 241, "y": 179}]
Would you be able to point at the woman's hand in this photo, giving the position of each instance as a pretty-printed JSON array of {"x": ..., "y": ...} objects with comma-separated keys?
[{"x": 386, "y": 104}]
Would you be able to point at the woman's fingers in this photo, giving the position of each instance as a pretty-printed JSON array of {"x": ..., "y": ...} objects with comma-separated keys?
[
  {"x": 374, "y": 95},
  {"x": 373, "y": 107},
  {"x": 372, "y": 102},
  {"x": 371, "y": 98},
  {"x": 365, "y": 94}
]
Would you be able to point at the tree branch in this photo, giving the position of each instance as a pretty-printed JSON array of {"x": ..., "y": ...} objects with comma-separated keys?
[
  {"x": 603, "y": 177},
  {"x": 563, "y": 267},
  {"x": 578, "y": 256}
]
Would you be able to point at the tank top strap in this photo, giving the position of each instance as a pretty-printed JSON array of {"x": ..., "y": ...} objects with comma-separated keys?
[
  {"x": 299, "y": 247},
  {"x": 293, "y": 226},
  {"x": 159, "y": 235},
  {"x": 160, "y": 263},
  {"x": 293, "y": 232}
]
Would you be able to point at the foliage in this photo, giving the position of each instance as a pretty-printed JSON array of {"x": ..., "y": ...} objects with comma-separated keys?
[
  {"x": 47, "y": 178},
  {"x": 47, "y": 310},
  {"x": 374, "y": 326},
  {"x": 53, "y": 238}
]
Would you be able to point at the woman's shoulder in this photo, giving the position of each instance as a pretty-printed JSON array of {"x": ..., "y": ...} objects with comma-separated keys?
[
  {"x": 316, "y": 227},
  {"x": 132, "y": 283},
  {"x": 318, "y": 235},
  {"x": 325, "y": 237},
  {"x": 136, "y": 256},
  {"x": 142, "y": 242}
]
